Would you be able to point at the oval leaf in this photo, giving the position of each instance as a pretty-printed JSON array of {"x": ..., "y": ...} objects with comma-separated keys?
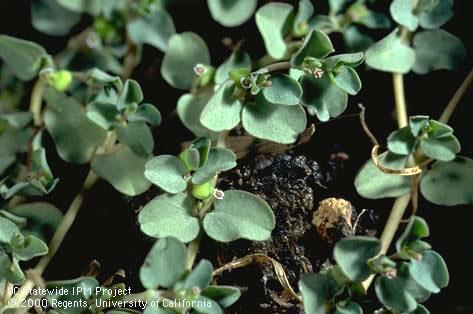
[
  {"x": 391, "y": 55},
  {"x": 283, "y": 90},
  {"x": 169, "y": 216},
  {"x": 231, "y": 13},
  {"x": 167, "y": 171},
  {"x": 430, "y": 271},
  {"x": 370, "y": 182},
  {"x": 219, "y": 159},
  {"x": 184, "y": 51},
  {"x": 449, "y": 183},
  {"x": 280, "y": 124},
  {"x": 239, "y": 215},
  {"x": 273, "y": 21},
  {"x": 164, "y": 265},
  {"x": 123, "y": 170},
  {"x": 352, "y": 255},
  {"x": 448, "y": 52},
  {"x": 222, "y": 112}
]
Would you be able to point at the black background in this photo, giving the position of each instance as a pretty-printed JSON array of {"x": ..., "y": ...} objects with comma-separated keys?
[{"x": 106, "y": 229}]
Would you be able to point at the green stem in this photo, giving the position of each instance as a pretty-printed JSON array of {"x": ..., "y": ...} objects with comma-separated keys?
[
  {"x": 37, "y": 99},
  {"x": 278, "y": 66},
  {"x": 193, "y": 250},
  {"x": 400, "y": 99},
  {"x": 452, "y": 104},
  {"x": 222, "y": 139}
]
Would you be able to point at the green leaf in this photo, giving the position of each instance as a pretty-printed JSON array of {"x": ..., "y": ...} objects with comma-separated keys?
[
  {"x": 416, "y": 229},
  {"x": 8, "y": 230},
  {"x": 316, "y": 45},
  {"x": 138, "y": 137},
  {"x": 305, "y": 11},
  {"x": 123, "y": 170},
  {"x": 42, "y": 219},
  {"x": 337, "y": 5},
  {"x": 449, "y": 183},
  {"x": 374, "y": 20},
  {"x": 433, "y": 18},
  {"x": 280, "y": 124},
  {"x": 238, "y": 60},
  {"x": 154, "y": 29},
  {"x": 324, "y": 97},
  {"x": 274, "y": 20},
  {"x": 92, "y": 7},
  {"x": 393, "y": 293},
  {"x": 401, "y": 141},
  {"x": 184, "y": 51},
  {"x": 349, "y": 59},
  {"x": 146, "y": 113},
  {"x": 231, "y": 13},
  {"x": 239, "y": 215},
  {"x": 219, "y": 159},
  {"x": 349, "y": 308},
  {"x": 316, "y": 290},
  {"x": 430, "y": 271},
  {"x": 169, "y": 216},
  {"x": 444, "y": 149},
  {"x": 224, "y": 295},
  {"x": 206, "y": 306},
  {"x": 24, "y": 58},
  {"x": 222, "y": 112},
  {"x": 420, "y": 310},
  {"x": 200, "y": 276},
  {"x": 347, "y": 79},
  {"x": 370, "y": 182},
  {"x": 49, "y": 17},
  {"x": 352, "y": 255},
  {"x": 164, "y": 265},
  {"x": 402, "y": 12},
  {"x": 449, "y": 52},
  {"x": 76, "y": 136},
  {"x": 130, "y": 95},
  {"x": 32, "y": 248},
  {"x": 356, "y": 41},
  {"x": 167, "y": 171},
  {"x": 418, "y": 124},
  {"x": 390, "y": 54},
  {"x": 283, "y": 90},
  {"x": 10, "y": 270},
  {"x": 189, "y": 109},
  {"x": 103, "y": 114}
]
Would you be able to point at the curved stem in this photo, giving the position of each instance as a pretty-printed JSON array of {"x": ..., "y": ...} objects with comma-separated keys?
[
  {"x": 452, "y": 104},
  {"x": 37, "y": 99}
]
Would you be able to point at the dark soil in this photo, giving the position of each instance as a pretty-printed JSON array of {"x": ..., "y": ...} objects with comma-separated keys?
[{"x": 293, "y": 185}]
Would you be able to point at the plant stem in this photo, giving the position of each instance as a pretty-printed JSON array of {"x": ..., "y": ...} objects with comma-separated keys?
[
  {"x": 400, "y": 99},
  {"x": 222, "y": 139},
  {"x": 401, "y": 203},
  {"x": 399, "y": 207},
  {"x": 64, "y": 226},
  {"x": 37, "y": 99},
  {"x": 58, "y": 237},
  {"x": 452, "y": 104},
  {"x": 193, "y": 250},
  {"x": 278, "y": 66}
]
